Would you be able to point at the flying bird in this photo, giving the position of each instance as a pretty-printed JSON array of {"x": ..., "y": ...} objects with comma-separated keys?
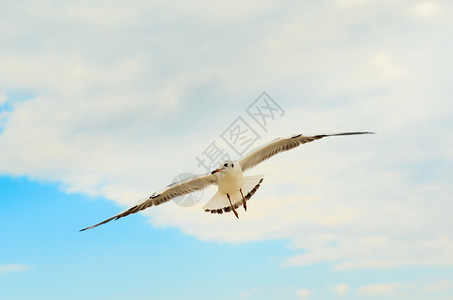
[{"x": 234, "y": 189}]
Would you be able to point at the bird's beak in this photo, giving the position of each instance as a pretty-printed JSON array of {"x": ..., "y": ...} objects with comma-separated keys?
[{"x": 215, "y": 171}]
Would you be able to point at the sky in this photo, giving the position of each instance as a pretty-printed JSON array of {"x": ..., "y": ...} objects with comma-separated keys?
[{"x": 103, "y": 103}]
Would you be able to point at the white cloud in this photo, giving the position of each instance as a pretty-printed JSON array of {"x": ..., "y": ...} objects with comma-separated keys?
[
  {"x": 124, "y": 102},
  {"x": 340, "y": 289},
  {"x": 386, "y": 66},
  {"x": 13, "y": 268},
  {"x": 354, "y": 2},
  {"x": 437, "y": 286},
  {"x": 3, "y": 98},
  {"x": 376, "y": 252},
  {"x": 378, "y": 289},
  {"x": 249, "y": 293},
  {"x": 413, "y": 290},
  {"x": 303, "y": 293},
  {"x": 427, "y": 9}
]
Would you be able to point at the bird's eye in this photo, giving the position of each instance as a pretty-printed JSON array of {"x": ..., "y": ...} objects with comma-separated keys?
[
  {"x": 232, "y": 165},
  {"x": 225, "y": 165}
]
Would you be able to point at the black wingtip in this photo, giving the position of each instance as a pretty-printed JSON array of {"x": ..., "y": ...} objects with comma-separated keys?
[
  {"x": 353, "y": 133},
  {"x": 320, "y": 136}
]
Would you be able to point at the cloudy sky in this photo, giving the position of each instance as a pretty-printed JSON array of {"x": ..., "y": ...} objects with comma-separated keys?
[{"x": 103, "y": 103}]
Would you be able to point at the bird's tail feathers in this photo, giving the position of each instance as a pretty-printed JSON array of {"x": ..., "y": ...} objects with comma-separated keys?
[{"x": 219, "y": 203}]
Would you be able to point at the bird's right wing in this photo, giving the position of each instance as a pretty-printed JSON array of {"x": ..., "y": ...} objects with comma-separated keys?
[
  {"x": 283, "y": 144},
  {"x": 172, "y": 191}
]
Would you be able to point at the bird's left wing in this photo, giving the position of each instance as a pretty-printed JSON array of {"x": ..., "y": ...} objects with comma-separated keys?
[
  {"x": 283, "y": 144},
  {"x": 172, "y": 191}
]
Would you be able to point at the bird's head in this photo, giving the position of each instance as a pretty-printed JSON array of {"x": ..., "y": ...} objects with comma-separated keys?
[{"x": 226, "y": 166}]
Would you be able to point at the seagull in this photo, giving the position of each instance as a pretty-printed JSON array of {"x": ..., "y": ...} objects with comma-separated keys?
[{"x": 234, "y": 189}]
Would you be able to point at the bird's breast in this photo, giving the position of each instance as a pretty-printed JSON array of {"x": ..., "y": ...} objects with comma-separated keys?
[{"x": 230, "y": 183}]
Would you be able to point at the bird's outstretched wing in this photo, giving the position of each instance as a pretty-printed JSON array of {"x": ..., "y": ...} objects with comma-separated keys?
[
  {"x": 172, "y": 191},
  {"x": 283, "y": 144}
]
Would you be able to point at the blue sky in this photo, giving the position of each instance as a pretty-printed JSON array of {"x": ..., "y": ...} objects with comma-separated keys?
[{"x": 103, "y": 103}]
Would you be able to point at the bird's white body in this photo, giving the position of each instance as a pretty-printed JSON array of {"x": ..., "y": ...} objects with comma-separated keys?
[{"x": 232, "y": 186}]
